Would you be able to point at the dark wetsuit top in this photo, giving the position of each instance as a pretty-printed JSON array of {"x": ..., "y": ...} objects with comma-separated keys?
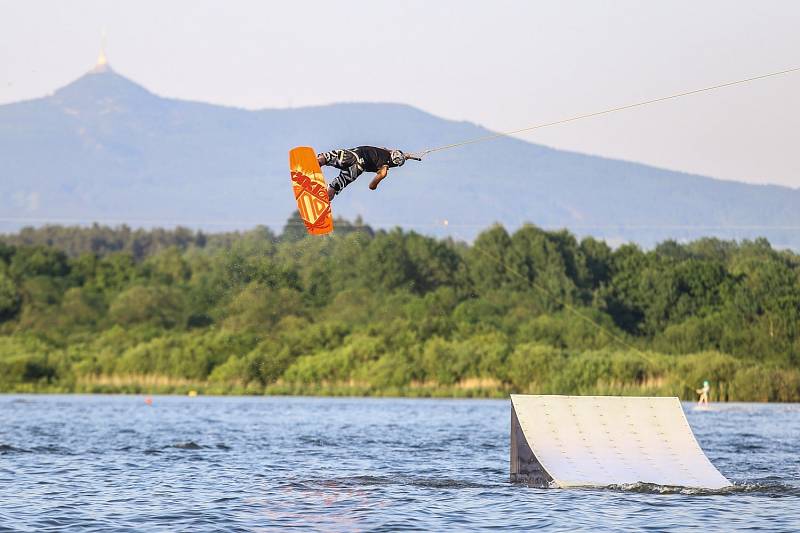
[{"x": 374, "y": 158}]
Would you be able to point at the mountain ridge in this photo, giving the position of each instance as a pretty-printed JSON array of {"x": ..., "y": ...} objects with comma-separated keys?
[{"x": 106, "y": 148}]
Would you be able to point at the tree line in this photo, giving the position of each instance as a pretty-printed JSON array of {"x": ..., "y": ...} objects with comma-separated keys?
[{"x": 394, "y": 313}]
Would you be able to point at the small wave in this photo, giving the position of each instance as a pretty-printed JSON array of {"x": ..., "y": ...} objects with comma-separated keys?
[
  {"x": 52, "y": 449},
  {"x": 653, "y": 488},
  {"x": 314, "y": 441},
  {"x": 361, "y": 480},
  {"x": 437, "y": 483},
  {"x": 770, "y": 486},
  {"x": 761, "y": 487},
  {"x": 188, "y": 445},
  {"x": 7, "y": 448},
  {"x": 48, "y": 449},
  {"x": 445, "y": 483},
  {"x": 739, "y": 448}
]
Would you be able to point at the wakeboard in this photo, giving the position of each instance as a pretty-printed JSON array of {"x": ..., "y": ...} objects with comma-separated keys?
[{"x": 310, "y": 190}]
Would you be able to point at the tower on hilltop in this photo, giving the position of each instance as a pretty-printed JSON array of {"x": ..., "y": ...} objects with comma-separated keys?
[{"x": 102, "y": 60}]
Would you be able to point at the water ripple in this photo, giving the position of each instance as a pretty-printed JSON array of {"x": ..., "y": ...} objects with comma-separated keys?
[{"x": 111, "y": 463}]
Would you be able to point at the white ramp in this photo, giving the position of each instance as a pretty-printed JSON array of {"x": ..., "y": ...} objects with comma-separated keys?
[{"x": 570, "y": 441}]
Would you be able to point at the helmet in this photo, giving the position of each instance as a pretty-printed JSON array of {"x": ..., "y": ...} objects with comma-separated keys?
[
  {"x": 398, "y": 158},
  {"x": 705, "y": 383}
]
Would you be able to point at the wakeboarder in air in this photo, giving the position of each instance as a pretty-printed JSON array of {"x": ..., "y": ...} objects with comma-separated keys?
[{"x": 353, "y": 162}]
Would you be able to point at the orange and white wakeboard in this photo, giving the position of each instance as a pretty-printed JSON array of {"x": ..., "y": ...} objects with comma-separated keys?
[{"x": 310, "y": 190}]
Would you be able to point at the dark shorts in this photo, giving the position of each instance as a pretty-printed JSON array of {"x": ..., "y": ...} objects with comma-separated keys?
[{"x": 348, "y": 162}]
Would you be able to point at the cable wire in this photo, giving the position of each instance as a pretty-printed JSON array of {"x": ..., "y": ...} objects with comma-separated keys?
[{"x": 608, "y": 111}]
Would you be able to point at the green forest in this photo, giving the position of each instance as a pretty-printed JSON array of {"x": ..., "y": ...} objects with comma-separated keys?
[{"x": 366, "y": 312}]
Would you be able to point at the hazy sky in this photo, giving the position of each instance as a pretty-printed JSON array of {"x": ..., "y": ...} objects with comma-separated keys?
[{"x": 503, "y": 64}]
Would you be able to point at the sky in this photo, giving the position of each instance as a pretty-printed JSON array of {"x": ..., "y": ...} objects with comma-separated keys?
[{"x": 502, "y": 64}]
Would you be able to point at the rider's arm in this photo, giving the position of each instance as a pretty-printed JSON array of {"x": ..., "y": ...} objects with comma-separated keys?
[{"x": 382, "y": 172}]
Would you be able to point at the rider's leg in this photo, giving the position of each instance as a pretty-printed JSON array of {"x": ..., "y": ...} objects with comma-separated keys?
[{"x": 345, "y": 178}]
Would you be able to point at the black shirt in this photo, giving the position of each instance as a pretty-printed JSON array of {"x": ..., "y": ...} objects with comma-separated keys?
[{"x": 374, "y": 158}]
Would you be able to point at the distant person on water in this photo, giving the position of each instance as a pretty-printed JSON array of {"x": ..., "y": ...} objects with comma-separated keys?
[
  {"x": 353, "y": 162},
  {"x": 703, "y": 394}
]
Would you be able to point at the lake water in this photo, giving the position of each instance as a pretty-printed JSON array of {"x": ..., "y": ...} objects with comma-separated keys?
[{"x": 114, "y": 463}]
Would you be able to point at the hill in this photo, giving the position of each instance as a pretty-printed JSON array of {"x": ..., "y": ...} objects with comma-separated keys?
[{"x": 104, "y": 148}]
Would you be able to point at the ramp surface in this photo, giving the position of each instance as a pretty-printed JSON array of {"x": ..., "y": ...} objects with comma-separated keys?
[{"x": 570, "y": 441}]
